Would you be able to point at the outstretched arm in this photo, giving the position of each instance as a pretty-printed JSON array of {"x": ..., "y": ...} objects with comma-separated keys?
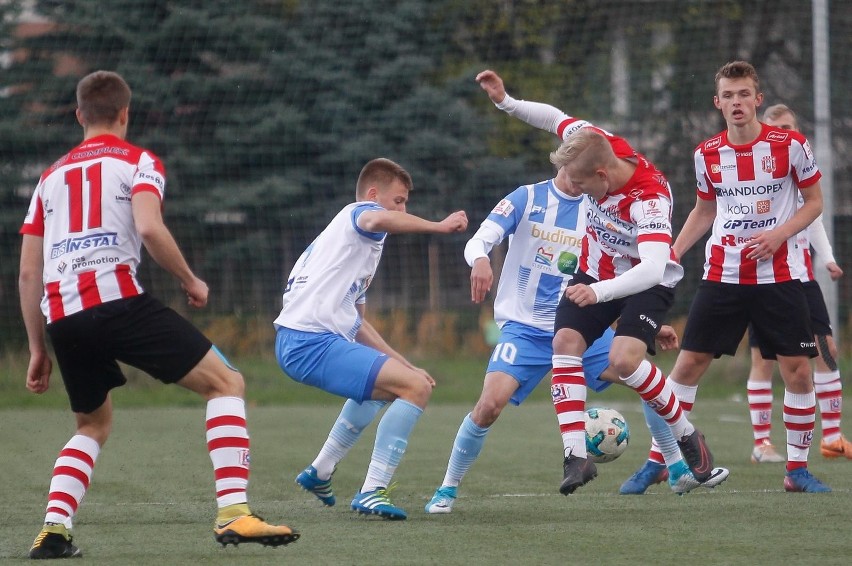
[
  {"x": 395, "y": 222},
  {"x": 539, "y": 115}
]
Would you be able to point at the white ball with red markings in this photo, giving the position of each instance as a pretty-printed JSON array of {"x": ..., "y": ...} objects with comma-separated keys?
[{"x": 607, "y": 434}]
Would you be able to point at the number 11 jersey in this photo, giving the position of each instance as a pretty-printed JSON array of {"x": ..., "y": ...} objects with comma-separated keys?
[{"x": 81, "y": 207}]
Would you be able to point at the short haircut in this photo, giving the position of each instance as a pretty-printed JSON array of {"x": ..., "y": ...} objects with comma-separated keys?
[
  {"x": 586, "y": 150},
  {"x": 777, "y": 110},
  {"x": 101, "y": 96},
  {"x": 381, "y": 172},
  {"x": 738, "y": 70}
]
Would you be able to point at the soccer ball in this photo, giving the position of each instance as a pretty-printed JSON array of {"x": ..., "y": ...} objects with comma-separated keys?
[{"x": 607, "y": 434}]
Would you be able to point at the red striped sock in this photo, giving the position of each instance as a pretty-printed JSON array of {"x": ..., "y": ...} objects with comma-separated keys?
[
  {"x": 72, "y": 473},
  {"x": 228, "y": 444},
  {"x": 568, "y": 391}
]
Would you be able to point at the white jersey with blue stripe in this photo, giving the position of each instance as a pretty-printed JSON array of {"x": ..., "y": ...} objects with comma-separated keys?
[
  {"x": 332, "y": 275},
  {"x": 546, "y": 229}
]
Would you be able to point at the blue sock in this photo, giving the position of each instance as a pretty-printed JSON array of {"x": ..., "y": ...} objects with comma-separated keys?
[
  {"x": 466, "y": 448},
  {"x": 391, "y": 441},
  {"x": 662, "y": 433},
  {"x": 347, "y": 429}
]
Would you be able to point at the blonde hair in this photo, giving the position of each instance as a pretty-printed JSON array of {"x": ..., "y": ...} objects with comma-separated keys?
[
  {"x": 777, "y": 110},
  {"x": 586, "y": 151}
]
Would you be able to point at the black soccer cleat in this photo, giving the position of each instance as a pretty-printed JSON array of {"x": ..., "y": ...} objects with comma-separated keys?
[
  {"x": 577, "y": 471},
  {"x": 49, "y": 544},
  {"x": 697, "y": 455}
]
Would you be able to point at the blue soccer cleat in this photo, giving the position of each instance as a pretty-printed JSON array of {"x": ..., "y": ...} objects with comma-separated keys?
[
  {"x": 321, "y": 488},
  {"x": 801, "y": 480},
  {"x": 442, "y": 501},
  {"x": 376, "y": 502},
  {"x": 646, "y": 476}
]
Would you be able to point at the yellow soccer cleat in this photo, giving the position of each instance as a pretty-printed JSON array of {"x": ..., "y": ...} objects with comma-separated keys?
[{"x": 251, "y": 528}]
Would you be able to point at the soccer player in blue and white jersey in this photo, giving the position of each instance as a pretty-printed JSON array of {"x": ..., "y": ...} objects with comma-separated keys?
[
  {"x": 546, "y": 223},
  {"x": 323, "y": 339}
]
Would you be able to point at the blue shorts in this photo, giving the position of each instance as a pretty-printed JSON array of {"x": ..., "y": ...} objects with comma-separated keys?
[
  {"x": 329, "y": 362},
  {"x": 526, "y": 354}
]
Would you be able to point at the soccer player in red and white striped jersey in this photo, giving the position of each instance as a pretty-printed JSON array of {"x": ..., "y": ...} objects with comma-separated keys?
[
  {"x": 626, "y": 273},
  {"x": 827, "y": 384},
  {"x": 749, "y": 179},
  {"x": 89, "y": 216}
]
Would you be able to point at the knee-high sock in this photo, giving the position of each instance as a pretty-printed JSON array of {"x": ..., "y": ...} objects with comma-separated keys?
[
  {"x": 760, "y": 409},
  {"x": 72, "y": 473},
  {"x": 347, "y": 429},
  {"x": 568, "y": 392},
  {"x": 391, "y": 442},
  {"x": 650, "y": 383},
  {"x": 466, "y": 448},
  {"x": 799, "y": 417},
  {"x": 829, "y": 394},
  {"x": 228, "y": 445},
  {"x": 662, "y": 435}
]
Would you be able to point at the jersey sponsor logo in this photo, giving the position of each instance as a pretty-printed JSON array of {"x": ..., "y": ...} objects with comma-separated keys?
[
  {"x": 748, "y": 190},
  {"x": 567, "y": 263},
  {"x": 92, "y": 241},
  {"x": 716, "y": 168},
  {"x": 744, "y": 208},
  {"x": 609, "y": 220},
  {"x": 100, "y": 152},
  {"x": 61, "y": 267},
  {"x": 777, "y": 136},
  {"x": 809, "y": 168},
  {"x": 155, "y": 179},
  {"x": 732, "y": 240},
  {"x": 651, "y": 209},
  {"x": 655, "y": 226},
  {"x": 714, "y": 143},
  {"x": 661, "y": 180},
  {"x": 504, "y": 208},
  {"x": 558, "y": 236},
  {"x": 744, "y": 153},
  {"x": 81, "y": 262},
  {"x": 612, "y": 239},
  {"x": 544, "y": 256},
  {"x": 767, "y": 163},
  {"x": 750, "y": 224}
]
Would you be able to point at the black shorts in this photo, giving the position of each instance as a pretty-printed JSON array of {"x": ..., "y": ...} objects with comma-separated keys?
[
  {"x": 820, "y": 320},
  {"x": 639, "y": 316},
  {"x": 140, "y": 331},
  {"x": 721, "y": 312}
]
